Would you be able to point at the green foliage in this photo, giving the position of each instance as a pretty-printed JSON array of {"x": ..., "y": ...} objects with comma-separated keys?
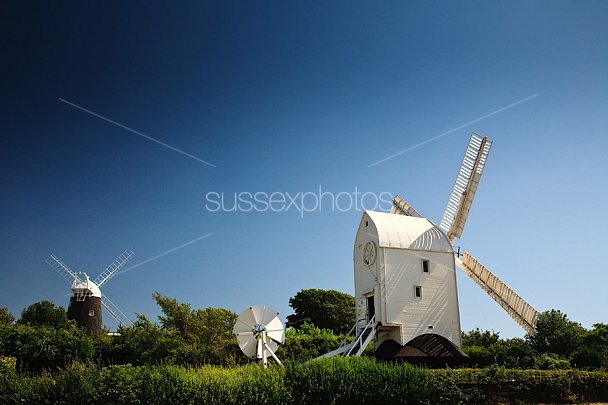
[
  {"x": 558, "y": 344},
  {"x": 479, "y": 338},
  {"x": 44, "y": 313},
  {"x": 143, "y": 343},
  {"x": 356, "y": 380},
  {"x": 588, "y": 358},
  {"x": 45, "y": 348},
  {"x": 6, "y": 318},
  {"x": 330, "y": 381},
  {"x": 326, "y": 309},
  {"x": 550, "y": 361},
  {"x": 594, "y": 352},
  {"x": 204, "y": 336},
  {"x": 556, "y": 334},
  {"x": 307, "y": 343},
  {"x": 499, "y": 385},
  {"x": 8, "y": 362},
  {"x": 486, "y": 349}
]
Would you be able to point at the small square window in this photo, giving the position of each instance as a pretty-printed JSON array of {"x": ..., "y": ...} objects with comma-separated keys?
[
  {"x": 91, "y": 312},
  {"x": 366, "y": 224},
  {"x": 418, "y": 291},
  {"x": 425, "y": 266}
]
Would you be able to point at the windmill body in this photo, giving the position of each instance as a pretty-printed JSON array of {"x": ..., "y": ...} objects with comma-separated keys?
[
  {"x": 85, "y": 305},
  {"x": 405, "y": 276},
  {"x": 405, "y": 283},
  {"x": 86, "y": 299}
]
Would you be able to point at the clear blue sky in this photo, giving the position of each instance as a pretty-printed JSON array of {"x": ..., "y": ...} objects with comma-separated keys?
[{"x": 288, "y": 96}]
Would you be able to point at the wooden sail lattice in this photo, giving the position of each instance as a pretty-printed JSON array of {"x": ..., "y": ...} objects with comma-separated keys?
[{"x": 519, "y": 309}]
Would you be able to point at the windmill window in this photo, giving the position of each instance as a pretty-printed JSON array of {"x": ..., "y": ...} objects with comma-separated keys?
[
  {"x": 91, "y": 312},
  {"x": 418, "y": 291},
  {"x": 425, "y": 266}
]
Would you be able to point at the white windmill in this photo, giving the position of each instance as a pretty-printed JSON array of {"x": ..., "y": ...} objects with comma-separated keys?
[
  {"x": 405, "y": 283},
  {"x": 86, "y": 298},
  {"x": 259, "y": 332}
]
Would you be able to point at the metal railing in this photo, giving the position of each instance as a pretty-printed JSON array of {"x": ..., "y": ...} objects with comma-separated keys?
[{"x": 363, "y": 338}]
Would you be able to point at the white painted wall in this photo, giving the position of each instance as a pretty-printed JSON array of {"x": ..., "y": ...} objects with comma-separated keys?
[
  {"x": 394, "y": 275},
  {"x": 438, "y": 306}
]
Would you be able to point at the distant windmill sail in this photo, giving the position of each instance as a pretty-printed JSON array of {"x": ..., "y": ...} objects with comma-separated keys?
[
  {"x": 463, "y": 192},
  {"x": 114, "y": 267},
  {"x": 517, "y": 308},
  {"x": 116, "y": 313},
  {"x": 62, "y": 269},
  {"x": 401, "y": 207}
]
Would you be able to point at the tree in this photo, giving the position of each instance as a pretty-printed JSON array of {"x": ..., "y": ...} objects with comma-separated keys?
[
  {"x": 44, "y": 313},
  {"x": 177, "y": 315},
  {"x": 479, "y": 338},
  {"x": 205, "y": 334},
  {"x": 556, "y": 334},
  {"x": 143, "y": 343},
  {"x": 6, "y": 318},
  {"x": 594, "y": 351},
  {"x": 326, "y": 309}
]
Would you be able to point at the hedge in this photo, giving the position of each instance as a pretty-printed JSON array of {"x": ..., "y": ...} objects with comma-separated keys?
[{"x": 330, "y": 381}]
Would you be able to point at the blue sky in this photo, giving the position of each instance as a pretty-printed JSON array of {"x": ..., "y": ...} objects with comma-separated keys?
[{"x": 287, "y": 97}]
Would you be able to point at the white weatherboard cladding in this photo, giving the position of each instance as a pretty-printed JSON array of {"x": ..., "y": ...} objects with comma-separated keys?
[
  {"x": 366, "y": 277},
  {"x": 402, "y": 243},
  {"x": 438, "y": 306}
]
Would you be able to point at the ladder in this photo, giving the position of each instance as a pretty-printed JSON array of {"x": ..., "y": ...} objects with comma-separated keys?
[
  {"x": 357, "y": 346},
  {"x": 517, "y": 308}
]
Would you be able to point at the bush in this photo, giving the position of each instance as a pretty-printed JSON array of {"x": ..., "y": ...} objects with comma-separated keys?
[
  {"x": 45, "y": 348},
  {"x": 329, "y": 381},
  {"x": 357, "y": 380}
]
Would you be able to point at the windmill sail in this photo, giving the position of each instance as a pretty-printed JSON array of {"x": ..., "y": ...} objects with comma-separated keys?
[
  {"x": 522, "y": 312},
  {"x": 114, "y": 267},
  {"x": 116, "y": 313},
  {"x": 401, "y": 207},
  {"x": 463, "y": 192},
  {"x": 62, "y": 269}
]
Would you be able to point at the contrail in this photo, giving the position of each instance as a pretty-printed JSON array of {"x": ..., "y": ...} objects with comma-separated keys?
[
  {"x": 523, "y": 100},
  {"x": 118, "y": 124},
  {"x": 164, "y": 253}
]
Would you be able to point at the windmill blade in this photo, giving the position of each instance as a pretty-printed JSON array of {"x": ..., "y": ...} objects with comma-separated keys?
[
  {"x": 401, "y": 207},
  {"x": 114, "y": 267},
  {"x": 517, "y": 308},
  {"x": 62, "y": 269},
  {"x": 467, "y": 180},
  {"x": 116, "y": 313}
]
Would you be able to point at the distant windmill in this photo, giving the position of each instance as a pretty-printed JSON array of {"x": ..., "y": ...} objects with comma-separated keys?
[{"x": 86, "y": 298}]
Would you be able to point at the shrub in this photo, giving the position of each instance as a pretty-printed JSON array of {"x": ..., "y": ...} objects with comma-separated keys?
[{"x": 330, "y": 381}]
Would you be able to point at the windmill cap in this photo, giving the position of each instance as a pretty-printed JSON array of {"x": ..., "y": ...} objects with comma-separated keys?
[
  {"x": 405, "y": 232},
  {"x": 88, "y": 286}
]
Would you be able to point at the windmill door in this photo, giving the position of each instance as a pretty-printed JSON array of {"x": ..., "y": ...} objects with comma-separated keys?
[{"x": 371, "y": 309}]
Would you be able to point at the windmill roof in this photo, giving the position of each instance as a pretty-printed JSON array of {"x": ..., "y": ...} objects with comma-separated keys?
[
  {"x": 88, "y": 285},
  {"x": 405, "y": 232}
]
